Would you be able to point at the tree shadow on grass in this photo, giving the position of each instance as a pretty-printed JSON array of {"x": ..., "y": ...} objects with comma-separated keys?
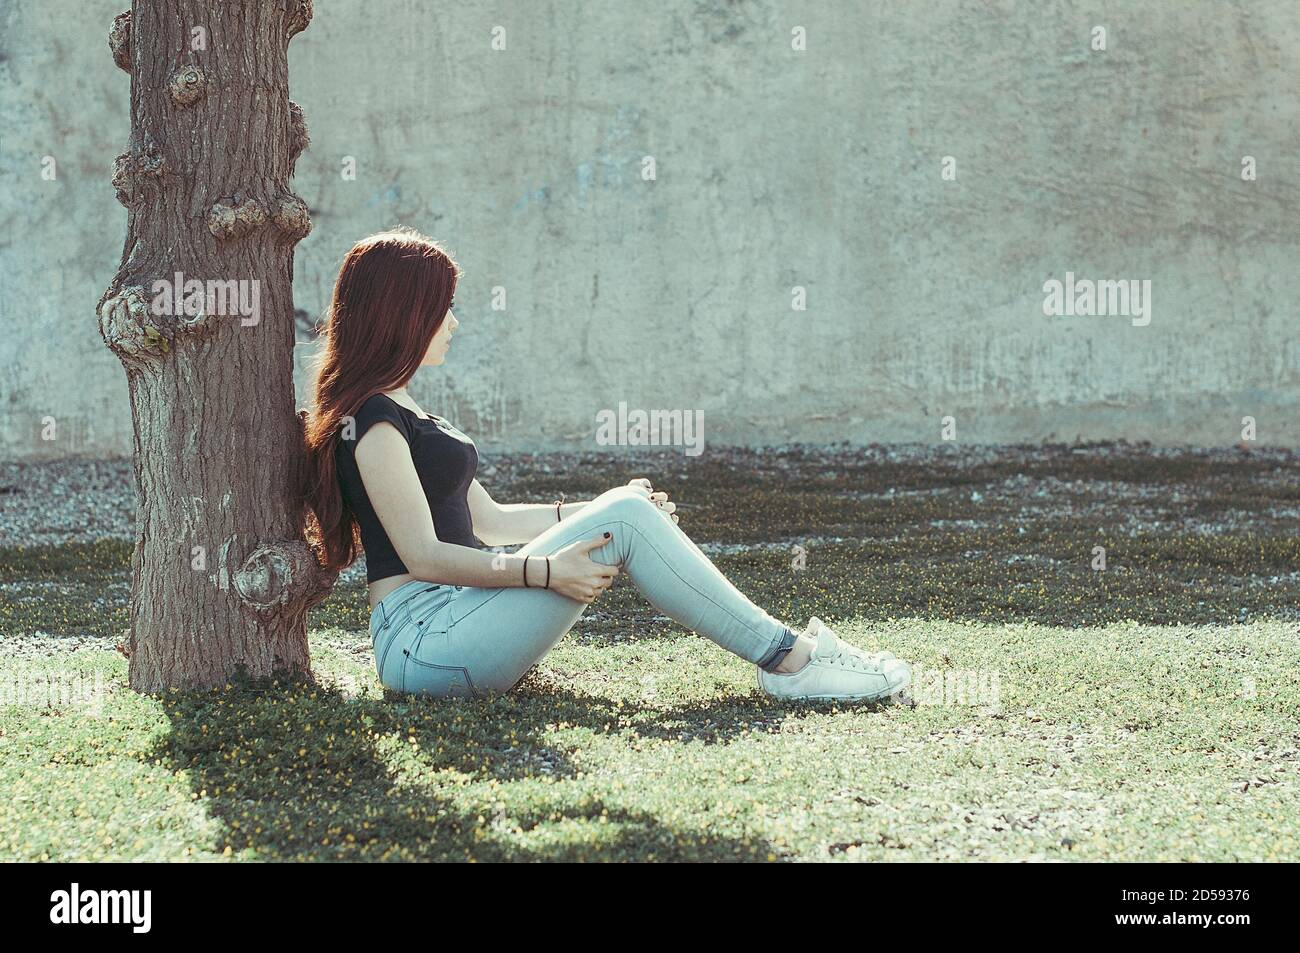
[{"x": 294, "y": 771}]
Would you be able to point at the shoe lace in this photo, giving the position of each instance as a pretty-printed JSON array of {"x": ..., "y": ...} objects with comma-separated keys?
[{"x": 855, "y": 658}]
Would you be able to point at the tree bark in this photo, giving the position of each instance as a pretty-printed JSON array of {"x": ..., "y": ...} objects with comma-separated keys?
[{"x": 222, "y": 575}]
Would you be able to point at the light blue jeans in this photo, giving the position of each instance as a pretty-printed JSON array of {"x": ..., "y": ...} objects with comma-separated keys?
[{"x": 446, "y": 641}]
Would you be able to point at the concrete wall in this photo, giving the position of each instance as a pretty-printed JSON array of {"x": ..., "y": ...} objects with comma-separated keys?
[{"x": 775, "y": 168}]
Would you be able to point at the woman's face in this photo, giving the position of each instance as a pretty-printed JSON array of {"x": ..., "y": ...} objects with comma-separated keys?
[{"x": 437, "y": 352}]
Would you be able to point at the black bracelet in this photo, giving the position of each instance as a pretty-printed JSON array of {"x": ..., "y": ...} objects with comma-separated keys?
[
  {"x": 526, "y": 586},
  {"x": 548, "y": 572}
]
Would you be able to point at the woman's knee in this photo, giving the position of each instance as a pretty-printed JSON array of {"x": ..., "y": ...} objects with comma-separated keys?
[
  {"x": 625, "y": 498},
  {"x": 617, "y": 493},
  {"x": 625, "y": 501}
]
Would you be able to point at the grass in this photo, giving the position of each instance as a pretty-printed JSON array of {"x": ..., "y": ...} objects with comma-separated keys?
[{"x": 1148, "y": 712}]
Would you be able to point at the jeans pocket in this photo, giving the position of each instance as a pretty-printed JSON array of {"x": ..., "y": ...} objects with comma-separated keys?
[
  {"x": 430, "y": 666},
  {"x": 424, "y": 677}
]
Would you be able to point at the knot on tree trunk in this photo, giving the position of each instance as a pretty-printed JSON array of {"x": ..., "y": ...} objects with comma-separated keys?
[
  {"x": 126, "y": 325},
  {"x": 138, "y": 174},
  {"x": 236, "y": 217},
  {"x": 186, "y": 85},
  {"x": 280, "y": 575},
  {"x": 291, "y": 217},
  {"x": 119, "y": 40},
  {"x": 298, "y": 138},
  {"x": 297, "y": 16}
]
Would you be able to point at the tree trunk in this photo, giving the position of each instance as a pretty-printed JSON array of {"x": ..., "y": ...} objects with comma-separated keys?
[{"x": 222, "y": 576}]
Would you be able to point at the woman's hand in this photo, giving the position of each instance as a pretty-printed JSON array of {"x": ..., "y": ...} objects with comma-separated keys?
[
  {"x": 575, "y": 574},
  {"x": 658, "y": 497}
]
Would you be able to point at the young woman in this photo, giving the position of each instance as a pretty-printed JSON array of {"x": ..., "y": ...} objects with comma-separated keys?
[{"x": 451, "y": 618}]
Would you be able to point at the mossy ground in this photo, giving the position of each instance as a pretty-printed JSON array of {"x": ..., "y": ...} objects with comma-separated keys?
[{"x": 1147, "y": 712}]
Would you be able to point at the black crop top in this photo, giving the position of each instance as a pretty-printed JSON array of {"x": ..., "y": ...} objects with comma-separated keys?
[{"x": 446, "y": 461}]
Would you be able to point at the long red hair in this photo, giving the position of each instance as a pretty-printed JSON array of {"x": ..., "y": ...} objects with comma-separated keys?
[{"x": 391, "y": 296}]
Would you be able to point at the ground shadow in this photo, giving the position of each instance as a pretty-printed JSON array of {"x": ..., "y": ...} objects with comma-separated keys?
[{"x": 301, "y": 772}]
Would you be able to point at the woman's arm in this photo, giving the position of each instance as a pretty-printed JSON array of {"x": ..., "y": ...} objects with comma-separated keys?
[
  {"x": 393, "y": 487},
  {"x": 498, "y": 524}
]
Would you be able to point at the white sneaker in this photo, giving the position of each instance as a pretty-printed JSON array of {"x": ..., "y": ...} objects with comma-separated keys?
[{"x": 838, "y": 671}]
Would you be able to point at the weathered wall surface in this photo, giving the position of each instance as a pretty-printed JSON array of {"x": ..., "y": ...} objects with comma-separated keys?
[{"x": 775, "y": 168}]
